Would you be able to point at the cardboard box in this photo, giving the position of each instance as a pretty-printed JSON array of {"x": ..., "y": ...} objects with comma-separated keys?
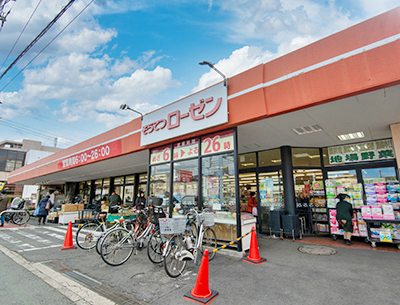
[
  {"x": 80, "y": 206},
  {"x": 104, "y": 208},
  {"x": 69, "y": 207}
]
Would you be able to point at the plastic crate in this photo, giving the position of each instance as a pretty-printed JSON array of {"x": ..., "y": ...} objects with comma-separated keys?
[
  {"x": 172, "y": 225},
  {"x": 113, "y": 217}
]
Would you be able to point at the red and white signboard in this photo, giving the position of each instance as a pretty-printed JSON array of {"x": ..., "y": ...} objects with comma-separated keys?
[
  {"x": 98, "y": 153},
  {"x": 160, "y": 155},
  {"x": 186, "y": 149},
  {"x": 199, "y": 111},
  {"x": 183, "y": 176},
  {"x": 217, "y": 142}
]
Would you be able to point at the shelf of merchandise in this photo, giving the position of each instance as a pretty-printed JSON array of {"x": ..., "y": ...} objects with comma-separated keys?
[
  {"x": 374, "y": 240},
  {"x": 318, "y": 210}
]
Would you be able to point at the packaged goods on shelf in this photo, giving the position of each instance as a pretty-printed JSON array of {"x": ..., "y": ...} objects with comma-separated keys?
[
  {"x": 387, "y": 211},
  {"x": 366, "y": 211},
  {"x": 376, "y": 212}
]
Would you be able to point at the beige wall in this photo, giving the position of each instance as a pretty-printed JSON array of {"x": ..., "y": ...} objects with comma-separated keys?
[{"x": 395, "y": 129}]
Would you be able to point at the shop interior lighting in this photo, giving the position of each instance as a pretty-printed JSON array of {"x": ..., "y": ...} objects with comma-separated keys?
[
  {"x": 351, "y": 136},
  {"x": 247, "y": 164},
  {"x": 307, "y": 129}
]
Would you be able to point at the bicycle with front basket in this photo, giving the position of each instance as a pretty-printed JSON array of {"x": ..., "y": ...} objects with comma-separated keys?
[{"x": 186, "y": 244}]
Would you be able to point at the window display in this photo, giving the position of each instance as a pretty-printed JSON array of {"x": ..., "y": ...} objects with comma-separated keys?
[
  {"x": 160, "y": 182},
  {"x": 185, "y": 185}
]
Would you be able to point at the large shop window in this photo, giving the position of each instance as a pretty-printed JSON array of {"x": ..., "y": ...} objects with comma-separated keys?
[
  {"x": 84, "y": 190},
  {"x": 219, "y": 185},
  {"x": 269, "y": 158},
  {"x": 160, "y": 182},
  {"x": 186, "y": 177},
  {"x": 247, "y": 161}
]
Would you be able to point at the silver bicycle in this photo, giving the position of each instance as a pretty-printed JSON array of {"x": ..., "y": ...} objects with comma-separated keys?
[{"x": 190, "y": 245}]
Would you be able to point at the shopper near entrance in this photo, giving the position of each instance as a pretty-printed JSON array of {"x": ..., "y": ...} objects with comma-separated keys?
[
  {"x": 3, "y": 204},
  {"x": 45, "y": 205},
  {"x": 114, "y": 202},
  {"x": 140, "y": 201},
  {"x": 344, "y": 215},
  {"x": 252, "y": 203}
]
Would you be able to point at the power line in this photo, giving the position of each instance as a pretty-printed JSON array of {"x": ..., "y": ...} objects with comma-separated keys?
[
  {"x": 47, "y": 45},
  {"x": 44, "y": 31},
  {"x": 31, "y": 130},
  {"x": 40, "y": 1}
]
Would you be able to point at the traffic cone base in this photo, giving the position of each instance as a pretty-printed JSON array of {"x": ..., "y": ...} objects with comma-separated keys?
[
  {"x": 254, "y": 256},
  {"x": 262, "y": 260},
  {"x": 188, "y": 296},
  {"x": 68, "y": 242}
]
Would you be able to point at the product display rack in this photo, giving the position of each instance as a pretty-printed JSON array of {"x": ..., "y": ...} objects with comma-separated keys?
[
  {"x": 318, "y": 209},
  {"x": 374, "y": 240}
]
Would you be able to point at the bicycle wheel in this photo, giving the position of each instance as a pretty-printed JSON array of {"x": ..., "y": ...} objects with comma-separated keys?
[
  {"x": 87, "y": 235},
  {"x": 173, "y": 263},
  {"x": 20, "y": 218},
  {"x": 117, "y": 247},
  {"x": 209, "y": 242},
  {"x": 155, "y": 247},
  {"x": 99, "y": 242}
]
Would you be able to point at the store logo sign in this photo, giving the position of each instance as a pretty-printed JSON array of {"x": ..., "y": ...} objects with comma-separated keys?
[{"x": 199, "y": 111}]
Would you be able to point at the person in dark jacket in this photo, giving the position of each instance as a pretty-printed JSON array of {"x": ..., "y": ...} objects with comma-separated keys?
[
  {"x": 140, "y": 201},
  {"x": 344, "y": 216},
  {"x": 42, "y": 215},
  {"x": 3, "y": 204}
]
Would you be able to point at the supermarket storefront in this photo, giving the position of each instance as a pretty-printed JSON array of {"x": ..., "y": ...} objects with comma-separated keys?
[{"x": 274, "y": 130}]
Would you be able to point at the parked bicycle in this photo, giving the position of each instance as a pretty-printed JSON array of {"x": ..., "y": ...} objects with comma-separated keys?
[
  {"x": 18, "y": 218},
  {"x": 190, "y": 245},
  {"x": 118, "y": 245}
]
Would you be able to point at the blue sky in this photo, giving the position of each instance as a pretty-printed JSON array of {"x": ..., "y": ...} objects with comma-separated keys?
[{"x": 145, "y": 54}]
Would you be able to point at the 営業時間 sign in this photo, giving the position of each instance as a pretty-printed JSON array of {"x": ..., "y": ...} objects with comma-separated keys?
[{"x": 98, "y": 153}]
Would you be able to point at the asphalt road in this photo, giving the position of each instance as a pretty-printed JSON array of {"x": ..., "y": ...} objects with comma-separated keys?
[{"x": 353, "y": 276}]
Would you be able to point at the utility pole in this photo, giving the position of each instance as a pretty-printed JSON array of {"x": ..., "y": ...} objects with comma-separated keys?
[
  {"x": 4, "y": 12},
  {"x": 55, "y": 142}
]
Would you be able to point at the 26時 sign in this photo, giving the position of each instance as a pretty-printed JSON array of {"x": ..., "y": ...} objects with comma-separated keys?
[
  {"x": 199, "y": 111},
  {"x": 91, "y": 155},
  {"x": 368, "y": 151}
]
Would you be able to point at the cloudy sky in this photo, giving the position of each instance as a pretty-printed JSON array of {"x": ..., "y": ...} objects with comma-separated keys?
[{"x": 143, "y": 53}]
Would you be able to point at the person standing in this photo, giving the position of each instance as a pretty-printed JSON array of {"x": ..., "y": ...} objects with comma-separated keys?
[
  {"x": 3, "y": 204},
  {"x": 252, "y": 203},
  {"x": 43, "y": 212},
  {"x": 114, "y": 202},
  {"x": 344, "y": 215},
  {"x": 140, "y": 201}
]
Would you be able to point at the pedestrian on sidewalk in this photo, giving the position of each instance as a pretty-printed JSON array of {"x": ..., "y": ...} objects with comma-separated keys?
[
  {"x": 3, "y": 204},
  {"x": 43, "y": 212},
  {"x": 344, "y": 215}
]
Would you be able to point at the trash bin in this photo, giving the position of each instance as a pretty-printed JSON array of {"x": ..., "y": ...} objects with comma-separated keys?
[
  {"x": 275, "y": 218},
  {"x": 291, "y": 226}
]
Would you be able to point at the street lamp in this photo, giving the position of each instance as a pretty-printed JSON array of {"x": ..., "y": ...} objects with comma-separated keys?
[
  {"x": 207, "y": 63},
  {"x": 126, "y": 107}
]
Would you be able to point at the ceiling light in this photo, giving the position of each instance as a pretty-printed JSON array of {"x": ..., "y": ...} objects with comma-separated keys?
[
  {"x": 301, "y": 155},
  {"x": 350, "y": 136},
  {"x": 307, "y": 129}
]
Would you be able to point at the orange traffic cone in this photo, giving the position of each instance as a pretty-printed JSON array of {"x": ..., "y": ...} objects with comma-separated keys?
[
  {"x": 254, "y": 256},
  {"x": 68, "y": 242},
  {"x": 201, "y": 293}
]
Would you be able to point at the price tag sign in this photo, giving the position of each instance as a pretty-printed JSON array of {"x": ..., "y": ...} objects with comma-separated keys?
[
  {"x": 160, "y": 155},
  {"x": 217, "y": 142}
]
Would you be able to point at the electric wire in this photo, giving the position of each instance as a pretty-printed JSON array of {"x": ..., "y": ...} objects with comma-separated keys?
[
  {"x": 37, "y": 38},
  {"x": 23, "y": 30},
  {"x": 29, "y": 129},
  {"x": 47, "y": 45}
]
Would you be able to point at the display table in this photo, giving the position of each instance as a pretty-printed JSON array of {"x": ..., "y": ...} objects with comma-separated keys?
[
  {"x": 374, "y": 240},
  {"x": 225, "y": 229},
  {"x": 66, "y": 217}
]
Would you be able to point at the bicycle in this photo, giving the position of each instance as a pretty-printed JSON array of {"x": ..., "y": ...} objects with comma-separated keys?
[
  {"x": 180, "y": 247},
  {"x": 118, "y": 245},
  {"x": 90, "y": 233},
  {"x": 18, "y": 218}
]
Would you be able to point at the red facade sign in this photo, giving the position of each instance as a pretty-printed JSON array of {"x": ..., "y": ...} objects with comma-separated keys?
[{"x": 98, "y": 153}]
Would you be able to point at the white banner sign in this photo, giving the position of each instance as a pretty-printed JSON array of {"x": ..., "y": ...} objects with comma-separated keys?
[{"x": 199, "y": 111}]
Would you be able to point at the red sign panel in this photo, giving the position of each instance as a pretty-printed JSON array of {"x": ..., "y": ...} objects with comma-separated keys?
[
  {"x": 161, "y": 154},
  {"x": 183, "y": 176},
  {"x": 217, "y": 142},
  {"x": 98, "y": 153}
]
